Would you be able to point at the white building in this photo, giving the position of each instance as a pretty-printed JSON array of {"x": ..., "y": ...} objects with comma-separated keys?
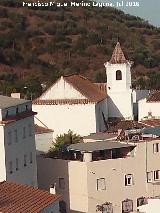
[
  {"x": 149, "y": 108},
  {"x": 75, "y": 103},
  {"x": 109, "y": 174},
  {"x": 151, "y": 206},
  {"x": 21, "y": 198},
  {"x": 17, "y": 147}
]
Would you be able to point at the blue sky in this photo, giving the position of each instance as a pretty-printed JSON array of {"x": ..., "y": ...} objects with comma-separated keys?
[{"x": 149, "y": 9}]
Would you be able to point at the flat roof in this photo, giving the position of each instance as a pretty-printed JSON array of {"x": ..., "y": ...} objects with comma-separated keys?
[
  {"x": 97, "y": 146},
  {"x": 6, "y": 101}
]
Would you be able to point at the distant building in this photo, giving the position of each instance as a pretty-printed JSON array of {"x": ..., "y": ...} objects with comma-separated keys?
[
  {"x": 76, "y": 103},
  {"x": 17, "y": 146},
  {"x": 149, "y": 108},
  {"x": 21, "y": 198}
]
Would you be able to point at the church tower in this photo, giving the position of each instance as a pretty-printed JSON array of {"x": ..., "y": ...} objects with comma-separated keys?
[{"x": 119, "y": 87}]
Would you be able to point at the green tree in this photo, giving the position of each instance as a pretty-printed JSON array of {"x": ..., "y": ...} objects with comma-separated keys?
[{"x": 62, "y": 141}]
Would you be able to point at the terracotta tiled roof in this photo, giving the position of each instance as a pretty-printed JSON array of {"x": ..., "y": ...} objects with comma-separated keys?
[
  {"x": 85, "y": 87},
  {"x": 151, "y": 122},
  {"x": 41, "y": 130},
  {"x": 62, "y": 101},
  {"x": 16, "y": 198},
  {"x": 154, "y": 97},
  {"x": 102, "y": 87},
  {"x": 118, "y": 56},
  {"x": 124, "y": 125},
  {"x": 17, "y": 117}
]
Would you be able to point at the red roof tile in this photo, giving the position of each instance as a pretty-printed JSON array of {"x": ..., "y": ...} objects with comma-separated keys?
[
  {"x": 118, "y": 56},
  {"x": 86, "y": 87},
  {"x": 154, "y": 97},
  {"x": 41, "y": 130},
  {"x": 62, "y": 101},
  {"x": 17, "y": 117},
  {"x": 126, "y": 124},
  {"x": 16, "y": 198},
  {"x": 151, "y": 122},
  {"x": 93, "y": 93},
  {"x": 102, "y": 87}
]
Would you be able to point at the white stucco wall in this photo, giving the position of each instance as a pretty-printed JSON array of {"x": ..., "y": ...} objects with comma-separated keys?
[
  {"x": 79, "y": 118},
  {"x": 118, "y": 85},
  {"x": 147, "y": 107},
  {"x": 153, "y": 206},
  {"x": 62, "y": 90},
  {"x": 24, "y": 146},
  {"x": 43, "y": 142},
  {"x": 81, "y": 192},
  {"x": 120, "y": 104}
]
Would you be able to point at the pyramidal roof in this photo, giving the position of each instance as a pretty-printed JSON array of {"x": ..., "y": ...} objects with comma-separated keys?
[{"x": 118, "y": 56}]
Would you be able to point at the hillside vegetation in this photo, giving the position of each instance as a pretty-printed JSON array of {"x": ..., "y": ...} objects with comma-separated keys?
[{"x": 37, "y": 45}]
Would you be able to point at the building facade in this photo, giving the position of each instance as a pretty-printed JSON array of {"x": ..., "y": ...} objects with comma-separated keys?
[
  {"x": 17, "y": 147},
  {"x": 74, "y": 103},
  {"x": 117, "y": 176}
]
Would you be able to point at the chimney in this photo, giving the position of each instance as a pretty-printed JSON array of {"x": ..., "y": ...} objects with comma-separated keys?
[
  {"x": 16, "y": 95},
  {"x": 53, "y": 188}
]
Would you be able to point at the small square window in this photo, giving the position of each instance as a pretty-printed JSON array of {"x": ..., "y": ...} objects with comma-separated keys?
[
  {"x": 149, "y": 177},
  {"x": 9, "y": 138},
  {"x": 25, "y": 160},
  {"x": 24, "y": 132},
  {"x": 127, "y": 206},
  {"x": 15, "y": 136},
  {"x": 10, "y": 167},
  {"x": 156, "y": 147},
  {"x": 61, "y": 183},
  {"x": 128, "y": 180},
  {"x": 101, "y": 184},
  {"x": 157, "y": 175},
  {"x": 17, "y": 164}
]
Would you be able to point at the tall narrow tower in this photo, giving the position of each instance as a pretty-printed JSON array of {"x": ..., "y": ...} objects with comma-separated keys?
[{"x": 119, "y": 85}]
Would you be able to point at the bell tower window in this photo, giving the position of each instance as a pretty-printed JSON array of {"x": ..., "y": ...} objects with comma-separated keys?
[{"x": 118, "y": 75}]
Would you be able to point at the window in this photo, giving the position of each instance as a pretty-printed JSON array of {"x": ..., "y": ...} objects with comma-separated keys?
[
  {"x": 30, "y": 129},
  {"x": 26, "y": 107},
  {"x": 6, "y": 113},
  {"x": 149, "y": 177},
  {"x": 156, "y": 147},
  {"x": 128, "y": 180},
  {"x": 31, "y": 159},
  {"x": 9, "y": 137},
  {"x": 10, "y": 167},
  {"x": 17, "y": 164},
  {"x": 157, "y": 175},
  {"x": 101, "y": 185},
  {"x": 118, "y": 75},
  {"x": 127, "y": 206},
  {"x": 141, "y": 201},
  {"x": 61, "y": 183},
  {"x": 17, "y": 110},
  {"x": 25, "y": 160},
  {"x": 15, "y": 136},
  {"x": 24, "y": 132}
]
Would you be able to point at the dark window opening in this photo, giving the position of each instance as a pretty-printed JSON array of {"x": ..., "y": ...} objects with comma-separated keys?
[{"x": 118, "y": 75}]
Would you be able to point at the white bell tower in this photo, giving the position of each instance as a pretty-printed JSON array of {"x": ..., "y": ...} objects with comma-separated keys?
[{"x": 119, "y": 87}]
